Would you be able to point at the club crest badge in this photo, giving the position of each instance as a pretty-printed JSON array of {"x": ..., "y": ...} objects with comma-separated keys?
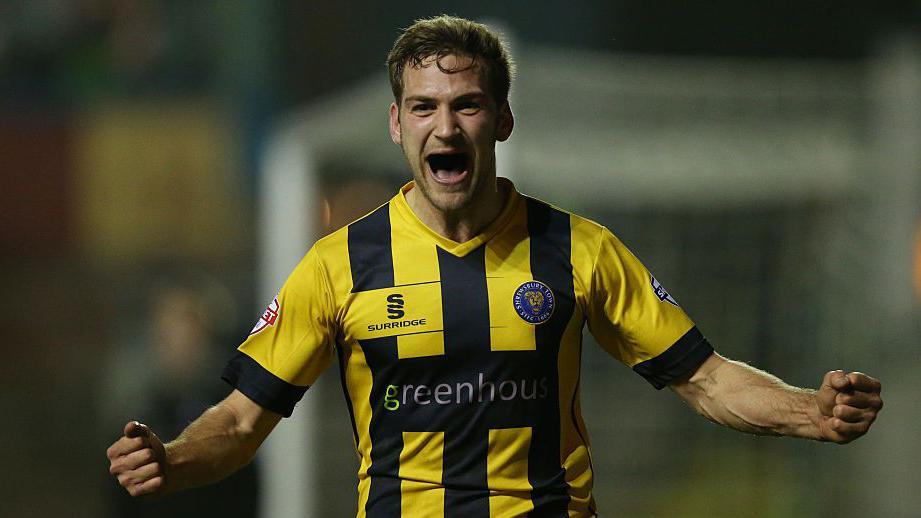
[
  {"x": 268, "y": 318},
  {"x": 534, "y": 302},
  {"x": 661, "y": 293}
]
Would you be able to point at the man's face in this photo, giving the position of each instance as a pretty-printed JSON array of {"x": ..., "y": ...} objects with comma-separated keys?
[{"x": 448, "y": 125}]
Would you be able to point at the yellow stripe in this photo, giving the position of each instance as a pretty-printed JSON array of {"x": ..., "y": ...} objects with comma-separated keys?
[
  {"x": 415, "y": 346},
  {"x": 574, "y": 448},
  {"x": 358, "y": 374},
  {"x": 415, "y": 261},
  {"x": 575, "y": 452},
  {"x": 364, "y": 489},
  {"x": 421, "y": 462},
  {"x": 508, "y": 265},
  {"x": 358, "y": 379},
  {"x": 507, "y": 471}
]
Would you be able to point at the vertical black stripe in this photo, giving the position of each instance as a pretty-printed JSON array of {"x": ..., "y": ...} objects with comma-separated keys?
[
  {"x": 371, "y": 263},
  {"x": 465, "y": 311},
  {"x": 551, "y": 264},
  {"x": 385, "y": 432},
  {"x": 348, "y": 400},
  {"x": 575, "y": 398},
  {"x": 370, "y": 253}
]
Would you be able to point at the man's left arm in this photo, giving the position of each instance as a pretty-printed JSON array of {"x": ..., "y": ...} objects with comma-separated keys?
[{"x": 739, "y": 396}]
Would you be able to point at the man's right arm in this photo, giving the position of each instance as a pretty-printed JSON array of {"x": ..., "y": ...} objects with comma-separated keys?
[{"x": 221, "y": 441}]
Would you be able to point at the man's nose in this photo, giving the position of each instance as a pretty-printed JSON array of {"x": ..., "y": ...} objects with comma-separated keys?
[{"x": 446, "y": 126}]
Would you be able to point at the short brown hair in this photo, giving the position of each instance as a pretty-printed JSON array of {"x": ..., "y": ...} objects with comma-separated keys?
[{"x": 449, "y": 35}]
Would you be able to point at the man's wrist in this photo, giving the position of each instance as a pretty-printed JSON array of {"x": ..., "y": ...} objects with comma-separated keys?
[
  {"x": 811, "y": 427},
  {"x": 172, "y": 458},
  {"x": 797, "y": 414}
]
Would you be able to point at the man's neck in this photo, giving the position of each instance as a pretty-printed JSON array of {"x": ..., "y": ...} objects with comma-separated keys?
[{"x": 462, "y": 225}]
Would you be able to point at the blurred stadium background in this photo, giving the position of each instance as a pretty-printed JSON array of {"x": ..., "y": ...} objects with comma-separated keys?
[{"x": 163, "y": 164}]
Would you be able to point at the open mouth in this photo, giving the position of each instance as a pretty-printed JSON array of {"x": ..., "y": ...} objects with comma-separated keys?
[{"x": 448, "y": 168}]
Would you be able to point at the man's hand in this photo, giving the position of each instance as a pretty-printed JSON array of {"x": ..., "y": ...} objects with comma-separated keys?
[
  {"x": 221, "y": 441},
  {"x": 138, "y": 460},
  {"x": 848, "y": 405}
]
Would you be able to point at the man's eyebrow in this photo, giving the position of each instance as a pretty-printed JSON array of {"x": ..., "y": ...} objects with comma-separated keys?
[
  {"x": 463, "y": 97},
  {"x": 470, "y": 96},
  {"x": 420, "y": 98}
]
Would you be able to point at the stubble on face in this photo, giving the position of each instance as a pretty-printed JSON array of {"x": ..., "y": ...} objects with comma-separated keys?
[
  {"x": 448, "y": 129},
  {"x": 452, "y": 200}
]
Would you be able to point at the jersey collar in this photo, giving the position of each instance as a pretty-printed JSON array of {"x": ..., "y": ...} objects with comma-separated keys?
[{"x": 450, "y": 246}]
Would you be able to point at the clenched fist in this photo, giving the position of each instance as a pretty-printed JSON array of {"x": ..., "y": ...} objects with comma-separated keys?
[
  {"x": 137, "y": 460},
  {"x": 848, "y": 405}
]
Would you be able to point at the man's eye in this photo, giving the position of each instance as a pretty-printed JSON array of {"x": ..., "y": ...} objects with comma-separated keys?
[
  {"x": 468, "y": 108},
  {"x": 422, "y": 108}
]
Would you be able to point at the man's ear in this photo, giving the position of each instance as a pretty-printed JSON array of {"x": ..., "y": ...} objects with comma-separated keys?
[
  {"x": 396, "y": 133},
  {"x": 506, "y": 122}
]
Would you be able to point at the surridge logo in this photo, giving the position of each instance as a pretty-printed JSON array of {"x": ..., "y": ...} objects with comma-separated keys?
[
  {"x": 468, "y": 392},
  {"x": 395, "y": 306},
  {"x": 395, "y": 311}
]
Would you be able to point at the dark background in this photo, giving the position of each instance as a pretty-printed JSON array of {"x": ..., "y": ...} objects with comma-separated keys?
[{"x": 131, "y": 137}]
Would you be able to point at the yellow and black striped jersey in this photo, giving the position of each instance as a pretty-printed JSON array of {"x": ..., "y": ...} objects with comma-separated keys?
[{"x": 460, "y": 362}]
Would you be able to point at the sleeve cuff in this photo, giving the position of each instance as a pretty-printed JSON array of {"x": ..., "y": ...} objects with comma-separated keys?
[
  {"x": 679, "y": 360},
  {"x": 266, "y": 389}
]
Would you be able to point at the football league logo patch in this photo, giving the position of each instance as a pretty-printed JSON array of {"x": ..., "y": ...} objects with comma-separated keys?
[
  {"x": 534, "y": 302},
  {"x": 268, "y": 318},
  {"x": 661, "y": 293}
]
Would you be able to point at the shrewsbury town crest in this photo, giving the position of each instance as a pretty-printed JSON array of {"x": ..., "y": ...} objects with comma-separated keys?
[{"x": 534, "y": 302}]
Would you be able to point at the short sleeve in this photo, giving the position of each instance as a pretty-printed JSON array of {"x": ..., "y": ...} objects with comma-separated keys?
[
  {"x": 635, "y": 319},
  {"x": 291, "y": 343}
]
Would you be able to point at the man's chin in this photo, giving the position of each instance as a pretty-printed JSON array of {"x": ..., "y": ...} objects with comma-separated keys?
[
  {"x": 450, "y": 202},
  {"x": 446, "y": 201}
]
